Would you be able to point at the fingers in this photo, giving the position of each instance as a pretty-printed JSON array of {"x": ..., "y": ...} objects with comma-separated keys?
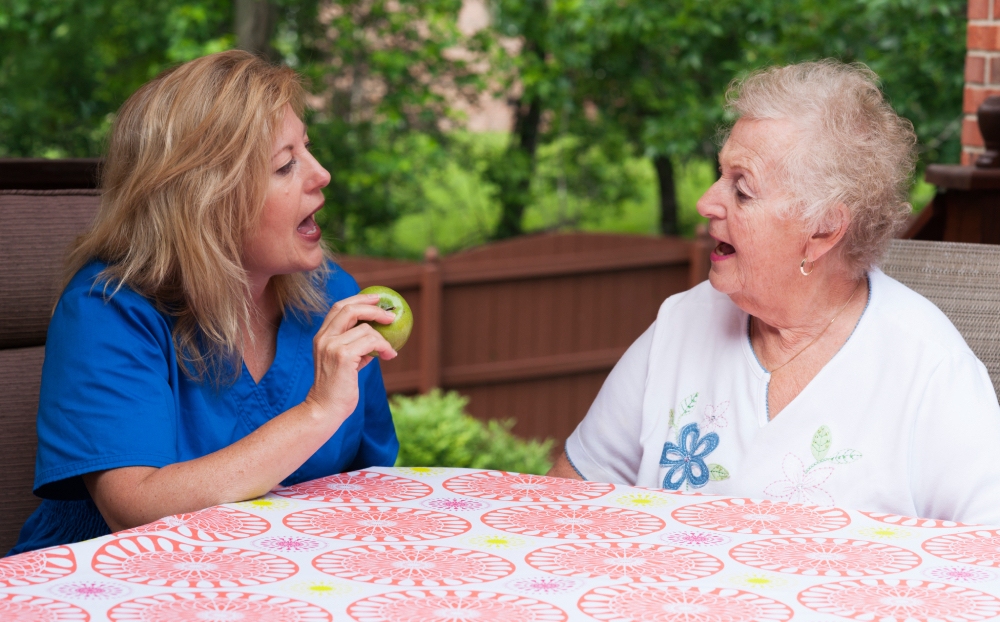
[
  {"x": 348, "y": 312},
  {"x": 366, "y": 341},
  {"x": 350, "y": 348}
]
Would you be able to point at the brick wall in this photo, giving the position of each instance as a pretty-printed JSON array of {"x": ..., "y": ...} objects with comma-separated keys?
[{"x": 982, "y": 70}]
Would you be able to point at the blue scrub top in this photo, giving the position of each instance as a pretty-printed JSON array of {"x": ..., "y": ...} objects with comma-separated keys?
[{"x": 113, "y": 395}]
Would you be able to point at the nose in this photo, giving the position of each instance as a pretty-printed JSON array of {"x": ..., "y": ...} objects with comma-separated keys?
[
  {"x": 710, "y": 205},
  {"x": 319, "y": 175}
]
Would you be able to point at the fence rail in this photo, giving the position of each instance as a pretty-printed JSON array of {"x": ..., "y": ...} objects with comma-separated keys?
[{"x": 530, "y": 328}]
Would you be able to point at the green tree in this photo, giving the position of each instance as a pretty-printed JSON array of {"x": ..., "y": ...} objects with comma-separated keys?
[
  {"x": 67, "y": 65},
  {"x": 384, "y": 74}
]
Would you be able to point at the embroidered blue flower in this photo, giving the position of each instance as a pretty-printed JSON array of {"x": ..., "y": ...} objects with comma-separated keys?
[{"x": 687, "y": 458}]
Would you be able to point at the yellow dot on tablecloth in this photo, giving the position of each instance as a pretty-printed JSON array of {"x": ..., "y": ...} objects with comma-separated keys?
[
  {"x": 265, "y": 504},
  {"x": 421, "y": 471},
  {"x": 758, "y": 580},
  {"x": 496, "y": 541},
  {"x": 643, "y": 500},
  {"x": 885, "y": 533},
  {"x": 323, "y": 588}
]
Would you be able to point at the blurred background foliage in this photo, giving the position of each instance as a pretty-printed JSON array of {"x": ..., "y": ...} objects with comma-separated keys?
[
  {"x": 617, "y": 102},
  {"x": 434, "y": 430}
]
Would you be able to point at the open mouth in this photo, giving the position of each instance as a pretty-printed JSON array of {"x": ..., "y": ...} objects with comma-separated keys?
[
  {"x": 308, "y": 227},
  {"x": 724, "y": 249}
]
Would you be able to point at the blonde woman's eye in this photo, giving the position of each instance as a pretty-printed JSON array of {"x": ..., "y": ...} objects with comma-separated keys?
[{"x": 286, "y": 169}]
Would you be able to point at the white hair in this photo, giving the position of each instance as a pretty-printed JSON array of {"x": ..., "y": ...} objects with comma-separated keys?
[{"x": 853, "y": 148}]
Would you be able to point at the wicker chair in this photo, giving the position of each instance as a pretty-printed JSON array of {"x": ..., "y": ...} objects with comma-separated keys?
[
  {"x": 963, "y": 280},
  {"x": 36, "y": 227}
]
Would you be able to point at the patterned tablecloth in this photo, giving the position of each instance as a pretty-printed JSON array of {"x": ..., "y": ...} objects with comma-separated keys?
[{"x": 425, "y": 544}]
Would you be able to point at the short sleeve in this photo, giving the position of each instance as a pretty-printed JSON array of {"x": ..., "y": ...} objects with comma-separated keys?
[
  {"x": 606, "y": 445},
  {"x": 954, "y": 472},
  {"x": 106, "y": 397},
  {"x": 379, "y": 445}
]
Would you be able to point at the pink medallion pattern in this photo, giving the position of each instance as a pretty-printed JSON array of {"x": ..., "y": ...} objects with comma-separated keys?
[
  {"x": 25, "y": 608},
  {"x": 377, "y": 524},
  {"x": 358, "y": 487},
  {"x": 680, "y": 604},
  {"x": 537, "y": 586},
  {"x": 454, "y": 504},
  {"x": 411, "y": 565},
  {"x": 573, "y": 522},
  {"x": 910, "y": 600},
  {"x": 695, "y": 538},
  {"x": 162, "y": 562},
  {"x": 217, "y": 524},
  {"x": 289, "y": 544},
  {"x": 90, "y": 590},
  {"x": 966, "y": 574},
  {"x": 635, "y": 561},
  {"x": 981, "y": 548},
  {"x": 201, "y": 606},
  {"x": 451, "y": 606},
  {"x": 761, "y": 517},
  {"x": 831, "y": 557},
  {"x": 37, "y": 567},
  {"x": 504, "y": 486},
  {"x": 907, "y": 521}
]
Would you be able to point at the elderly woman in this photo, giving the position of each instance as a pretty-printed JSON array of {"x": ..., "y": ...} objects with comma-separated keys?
[
  {"x": 194, "y": 358},
  {"x": 800, "y": 372}
]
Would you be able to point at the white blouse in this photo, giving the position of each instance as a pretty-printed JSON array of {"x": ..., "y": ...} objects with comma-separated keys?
[{"x": 902, "y": 420}]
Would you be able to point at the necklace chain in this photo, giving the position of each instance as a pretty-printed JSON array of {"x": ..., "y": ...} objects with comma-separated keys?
[{"x": 816, "y": 338}]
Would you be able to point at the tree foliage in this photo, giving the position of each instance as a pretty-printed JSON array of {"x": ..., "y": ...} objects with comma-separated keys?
[
  {"x": 656, "y": 72},
  {"x": 67, "y": 65}
]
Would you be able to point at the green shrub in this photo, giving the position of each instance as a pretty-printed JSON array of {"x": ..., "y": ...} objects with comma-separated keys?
[{"x": 434, "y": 430}]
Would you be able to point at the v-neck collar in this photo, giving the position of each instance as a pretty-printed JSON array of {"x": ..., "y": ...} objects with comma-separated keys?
[
  {"x": 271, "y": 391},
  {"x": 757, "y": 368}
]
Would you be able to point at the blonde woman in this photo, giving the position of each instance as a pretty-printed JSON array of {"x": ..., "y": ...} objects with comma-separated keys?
[{"x": 194, "y": 358}]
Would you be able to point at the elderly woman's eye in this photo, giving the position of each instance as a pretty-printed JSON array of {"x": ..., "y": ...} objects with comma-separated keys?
[{"x": 286, "y": 169}]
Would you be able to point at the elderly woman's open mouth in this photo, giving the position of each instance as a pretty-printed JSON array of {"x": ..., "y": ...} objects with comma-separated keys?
[{"x": 723, "y": 251}]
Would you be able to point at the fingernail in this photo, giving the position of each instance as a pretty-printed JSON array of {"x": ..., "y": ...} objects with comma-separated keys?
[
  {"x": 372, "y": 297},
  {"x": 391, "y": 314}
]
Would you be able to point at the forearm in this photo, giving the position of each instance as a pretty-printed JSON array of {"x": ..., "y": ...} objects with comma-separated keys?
[
  {"x": 563, "y": 468},
  {"x": 246, "y": 469}
]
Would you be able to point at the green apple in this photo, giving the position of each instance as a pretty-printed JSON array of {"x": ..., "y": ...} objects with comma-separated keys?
[{"x": 398, "y": 331}]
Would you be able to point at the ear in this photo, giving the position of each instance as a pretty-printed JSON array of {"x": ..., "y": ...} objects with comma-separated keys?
[{"x": 833, "y": 231}]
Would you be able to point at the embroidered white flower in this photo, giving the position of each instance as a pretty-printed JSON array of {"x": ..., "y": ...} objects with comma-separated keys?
[{"x": 801, "y": 485}]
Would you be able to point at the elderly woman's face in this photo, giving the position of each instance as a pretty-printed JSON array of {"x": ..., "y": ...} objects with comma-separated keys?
[
  {"x": 287, "y": 239},
  {"x": 757, "y": 251}
]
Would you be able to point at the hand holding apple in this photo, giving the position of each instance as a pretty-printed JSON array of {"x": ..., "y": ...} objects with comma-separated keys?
[{"x": 398, "y": 331}]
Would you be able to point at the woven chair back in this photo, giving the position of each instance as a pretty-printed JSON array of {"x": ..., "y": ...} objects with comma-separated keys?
[
  {"x": 36, "y": 228},
  {"x": 963, "y": 280}
]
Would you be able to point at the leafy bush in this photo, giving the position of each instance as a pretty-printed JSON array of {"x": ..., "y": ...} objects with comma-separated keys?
[{"x": 434, "y": 430}]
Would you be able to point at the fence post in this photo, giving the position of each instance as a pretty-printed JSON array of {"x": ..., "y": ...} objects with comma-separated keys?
[
  {"x": 430, "y": 323},
  {"x": 701, "y": 247}
]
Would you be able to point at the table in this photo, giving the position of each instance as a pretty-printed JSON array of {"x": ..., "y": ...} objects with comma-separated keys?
[{"x": 409, "y": 544}]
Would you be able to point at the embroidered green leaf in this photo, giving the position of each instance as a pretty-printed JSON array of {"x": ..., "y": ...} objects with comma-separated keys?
[
  {"x": 717, "y": 472},
  {"x": 688, "y": 404},
  {"x": 845, "y": 456},
  {"x": 821, "y": 442},
  {"x": 671, "y": 420}
]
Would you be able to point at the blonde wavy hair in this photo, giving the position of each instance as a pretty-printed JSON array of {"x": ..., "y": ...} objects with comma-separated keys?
[
  {"x": 183, "y": 186},
  {"x": 853, "y": 148}
]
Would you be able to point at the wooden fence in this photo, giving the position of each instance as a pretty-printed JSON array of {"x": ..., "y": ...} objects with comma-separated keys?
[{"x": 529, "y": 328}]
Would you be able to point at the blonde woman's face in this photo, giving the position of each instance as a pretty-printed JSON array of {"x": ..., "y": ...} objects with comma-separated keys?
[
  {"x": 758, "y": 251},
  {"x": 287, "y": 239}
]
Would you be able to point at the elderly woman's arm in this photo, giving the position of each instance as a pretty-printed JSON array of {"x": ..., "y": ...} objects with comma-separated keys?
[
  {"x": 605, "y": 446},
  {"x": 250, "y": 467},
  {"x": 958, "y": 411}
]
